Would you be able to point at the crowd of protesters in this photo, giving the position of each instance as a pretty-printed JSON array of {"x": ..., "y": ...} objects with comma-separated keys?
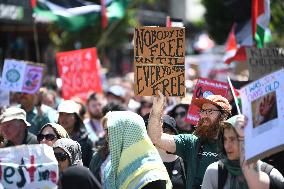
[{"x": 116, "y": 140}]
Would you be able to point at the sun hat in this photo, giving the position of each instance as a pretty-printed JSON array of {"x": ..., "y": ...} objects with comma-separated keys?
[{"x": 14, "y": 113}]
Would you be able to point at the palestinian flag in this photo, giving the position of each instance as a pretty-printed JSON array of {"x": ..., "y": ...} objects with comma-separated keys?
[
  {"x": 77, "y": 14},
  {"x": 254, "y": 32},
  {"x": 260, "y": 22},
  {"x": 239, "y": 38}
]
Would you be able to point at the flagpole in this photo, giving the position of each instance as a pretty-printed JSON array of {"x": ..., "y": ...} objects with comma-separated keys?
[{"x": 234, "y": 95}]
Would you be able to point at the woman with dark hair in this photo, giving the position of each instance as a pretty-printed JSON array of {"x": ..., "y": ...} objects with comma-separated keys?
[{"x": 69, "y": 118}]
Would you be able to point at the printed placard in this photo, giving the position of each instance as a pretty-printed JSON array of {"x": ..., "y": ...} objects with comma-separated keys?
[
  {"x": 79, "y": 71},
  {"x": 203, "y": 88},
  {"x": 263, "y": 104},
  {"x": 28, "y": 166},
  {"x": 159, "y": 56},
  {"x": 264, "y": 61},
  {"x": 21, "y": 76}
]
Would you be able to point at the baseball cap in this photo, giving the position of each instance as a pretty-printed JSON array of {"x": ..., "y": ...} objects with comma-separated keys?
[
  {"x": 117, "y": 90},
  {"x": 168, "y": 122},
  {"x": 216, "y": 100},
  {"x": 69, "y": 106},
  {"x": 14, "y": 113}
]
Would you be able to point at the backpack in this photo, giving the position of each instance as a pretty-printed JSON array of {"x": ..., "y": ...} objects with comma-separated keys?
[{"x": 265, "y": 167}]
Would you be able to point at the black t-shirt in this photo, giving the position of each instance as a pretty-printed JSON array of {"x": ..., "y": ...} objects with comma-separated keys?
[{"x": 176, "y": 173}]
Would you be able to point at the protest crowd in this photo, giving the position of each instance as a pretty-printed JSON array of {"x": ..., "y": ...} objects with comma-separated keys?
[
  {"x": 113, "y": 145},
  {"x": 156, "y": 127}
]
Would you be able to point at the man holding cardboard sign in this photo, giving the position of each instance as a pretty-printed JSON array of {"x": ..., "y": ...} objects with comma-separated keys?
[{"x": 198, "y": 149}]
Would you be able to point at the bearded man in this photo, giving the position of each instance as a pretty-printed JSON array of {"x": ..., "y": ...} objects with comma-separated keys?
[
  {"x": 93, "y": 125},
  {"x": 199, "y": 149}
]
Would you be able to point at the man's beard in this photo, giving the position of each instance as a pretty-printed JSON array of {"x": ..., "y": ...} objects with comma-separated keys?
[
  {"x": 96, "y": 115},
  {"x": 209, "y": 131}
]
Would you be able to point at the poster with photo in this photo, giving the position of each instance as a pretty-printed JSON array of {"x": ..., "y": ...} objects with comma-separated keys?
[{"x": 263, "y": 104}]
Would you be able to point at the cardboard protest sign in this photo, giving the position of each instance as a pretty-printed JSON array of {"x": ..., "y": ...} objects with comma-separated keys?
[
  {"x": 159, "y": 61},
  {"x": 203, "y": 88},
  {"x": 262, "y": 103},
  {"x": 264, "y": 61},
  {"x": 79, "y": 71},
  {"x": 21, "y": 76},
  {"x": 28, "y": 166}
]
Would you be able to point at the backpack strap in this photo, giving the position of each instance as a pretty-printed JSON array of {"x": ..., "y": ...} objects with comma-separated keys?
[{"x": 222, "y": 175}]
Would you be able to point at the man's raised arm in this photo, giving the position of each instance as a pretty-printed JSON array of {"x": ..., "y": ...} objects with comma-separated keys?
[{"x": 155, "y": 130}]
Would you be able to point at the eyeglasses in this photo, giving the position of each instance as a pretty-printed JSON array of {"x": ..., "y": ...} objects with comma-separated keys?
[
  {"x": 207, "y": 111},
  {"x": 61, "y": 156},
  {"x": 49, "y": 137},
  {"x": 181, "y": 114}
]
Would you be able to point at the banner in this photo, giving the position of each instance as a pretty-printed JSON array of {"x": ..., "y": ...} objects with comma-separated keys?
[
  {"x": 28, "y": 166},
  {"x": 203, "y": 88},
  {"x": 21, "y": 76},
  {"x": 79, "y": 71},
  {"x": 264, "y": 61},
  {"x": 262, "y": 103},
  {"x": 159, "y": 56}
]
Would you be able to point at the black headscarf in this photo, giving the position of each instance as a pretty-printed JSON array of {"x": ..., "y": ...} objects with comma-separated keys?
[{"x": 75, "y": 177}]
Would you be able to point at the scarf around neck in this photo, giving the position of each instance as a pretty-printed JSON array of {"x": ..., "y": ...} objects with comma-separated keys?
[{"x": 237, "y": 179}]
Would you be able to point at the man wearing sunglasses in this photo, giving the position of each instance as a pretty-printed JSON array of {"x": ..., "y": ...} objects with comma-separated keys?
[
  {"x": 13, "y": 126},
  {"x": 199, "y": 149}
]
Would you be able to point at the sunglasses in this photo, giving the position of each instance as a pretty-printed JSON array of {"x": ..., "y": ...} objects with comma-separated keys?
[
  {"x": 181, "y": 114},
  {"x": 61, "y": 156},
  {"x": 49, "y": 137},
  {"x": 207, "y": 111}
]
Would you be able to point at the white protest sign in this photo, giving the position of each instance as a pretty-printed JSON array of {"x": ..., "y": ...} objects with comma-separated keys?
[
  {"x": 263, "y": 104},
  {"x": 28, "y": 166},
  {"x": 20, "y": 76}
]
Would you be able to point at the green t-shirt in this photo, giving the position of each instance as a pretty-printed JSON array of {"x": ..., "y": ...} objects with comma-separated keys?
[{"x": 187, "y": 148}]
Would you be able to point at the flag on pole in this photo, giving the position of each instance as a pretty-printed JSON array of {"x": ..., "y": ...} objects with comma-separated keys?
[
  {"x": 239, "y": 38},
  {"x": 78, "y": 14},
  {"x": 244, "y": 34},
  {"x": 260, "y": 22}
]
